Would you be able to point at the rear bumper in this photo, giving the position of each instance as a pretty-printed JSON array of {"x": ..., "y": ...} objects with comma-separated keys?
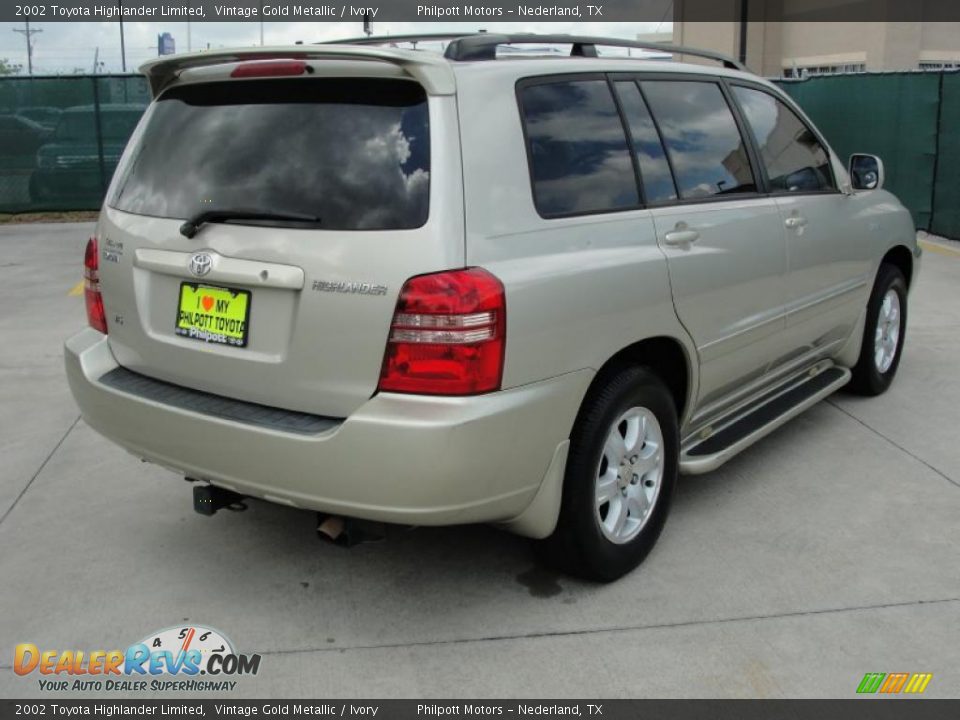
[{"x": 399, "y": 458}]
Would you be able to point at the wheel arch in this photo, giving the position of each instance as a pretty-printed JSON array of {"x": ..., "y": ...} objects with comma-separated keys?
[
  {"x": 667, "y": 357},
  {"x": 901, "y": 258}
]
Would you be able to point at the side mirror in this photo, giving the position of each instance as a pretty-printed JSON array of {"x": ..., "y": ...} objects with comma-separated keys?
[{"x": 866, "y": 172}]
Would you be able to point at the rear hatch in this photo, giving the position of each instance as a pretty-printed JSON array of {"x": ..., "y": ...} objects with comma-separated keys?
[{"x": 313, "y": 199}]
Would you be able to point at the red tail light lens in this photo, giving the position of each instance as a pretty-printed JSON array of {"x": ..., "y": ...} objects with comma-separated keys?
[
  {"x": 447, "y": 336},
  {"x": 91, "y": 287},
  {"x": 269, "y": 68}
]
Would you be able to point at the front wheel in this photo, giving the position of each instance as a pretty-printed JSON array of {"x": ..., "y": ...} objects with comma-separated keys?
[
  {"x": 620, "y": 477},
  {"x": 883, "y": 334}
]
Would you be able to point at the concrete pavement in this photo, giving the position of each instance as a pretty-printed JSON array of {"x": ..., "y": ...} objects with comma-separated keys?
[{"x": 829, "y": 550}]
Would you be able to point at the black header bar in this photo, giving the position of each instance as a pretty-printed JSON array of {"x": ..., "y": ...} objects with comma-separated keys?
[
  {"x": 483, "y": 11},
  {"x": 281, "y": 709}
]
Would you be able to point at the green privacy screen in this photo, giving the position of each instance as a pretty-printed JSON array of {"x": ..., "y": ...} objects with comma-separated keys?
[
  {"x": 61, "y": 137},
  {"x": 891, "y": 115},
  {"x": 946, "y": 196}
]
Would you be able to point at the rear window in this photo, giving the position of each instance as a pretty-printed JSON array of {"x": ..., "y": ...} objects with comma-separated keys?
[{"x": 355, "y": 153}]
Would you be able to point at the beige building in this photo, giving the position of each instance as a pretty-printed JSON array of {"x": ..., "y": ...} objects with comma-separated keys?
[{"x": 775, "y": 45}]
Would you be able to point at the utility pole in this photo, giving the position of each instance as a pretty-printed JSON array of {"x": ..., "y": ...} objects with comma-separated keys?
[
  {"x": 744, "y": 17},
  {"x": 96, "y": 57},
  {"x": 27, "y": 33},
  {"x": 261, "y": 24},
  {"x": 123, "y": 47},
  {"x": 189, "y": 43}
]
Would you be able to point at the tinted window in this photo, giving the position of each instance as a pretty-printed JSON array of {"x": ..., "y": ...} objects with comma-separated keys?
[
  {"x": 578, "y": 149},
  {"x": 705, "y": 146},
  {"x": 355, "y": 153},
  {"x": 794, "y": 158},
  {"x": 654, "y": 168}
]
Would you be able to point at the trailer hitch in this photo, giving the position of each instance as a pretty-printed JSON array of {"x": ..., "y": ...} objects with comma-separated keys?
[{"x": 207, "y": 499}]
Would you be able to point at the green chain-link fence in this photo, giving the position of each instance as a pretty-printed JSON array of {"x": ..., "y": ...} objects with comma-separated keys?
[
  {"x": 946, "y": 187},
  {"x": 910, "y": 120},
  {"x": 61, "y": 137}
]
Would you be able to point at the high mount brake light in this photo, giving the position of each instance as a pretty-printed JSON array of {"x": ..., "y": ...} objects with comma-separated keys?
[
  {"x": 447, "y": 336},
  {"x": 91, "y": 287},
  {"x": 270, "y": 68}
]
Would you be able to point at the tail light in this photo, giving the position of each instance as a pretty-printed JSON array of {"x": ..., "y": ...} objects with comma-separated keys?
[
  {"x": 91, "y": 287},
  {"x": 447, "y": 336}
]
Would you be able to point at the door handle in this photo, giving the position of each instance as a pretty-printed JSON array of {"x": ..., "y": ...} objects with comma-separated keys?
[
  {"x": 795, "y": 221},
  {"x": 681, "y": 237}
]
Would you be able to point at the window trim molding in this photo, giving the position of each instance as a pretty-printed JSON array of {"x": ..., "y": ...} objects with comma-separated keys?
[
  {"x": 656, "y": 127},
  {"x": 631, "y": 148}
]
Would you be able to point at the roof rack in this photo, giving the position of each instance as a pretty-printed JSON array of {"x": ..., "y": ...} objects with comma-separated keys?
[
  {"x": 483, "y": 46},
  {"x": 408, "y": 38}
]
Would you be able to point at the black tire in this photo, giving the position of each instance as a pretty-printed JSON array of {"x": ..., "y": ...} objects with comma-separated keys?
[
  {"x": 867, "y": 378},
  {"x": 579, "y": 546}
]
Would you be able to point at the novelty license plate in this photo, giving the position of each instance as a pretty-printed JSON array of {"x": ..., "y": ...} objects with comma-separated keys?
[{"x": 213, "y": 314}]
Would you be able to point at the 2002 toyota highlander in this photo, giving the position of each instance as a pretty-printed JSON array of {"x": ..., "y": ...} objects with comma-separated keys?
[{"x": 393, "y": 285}]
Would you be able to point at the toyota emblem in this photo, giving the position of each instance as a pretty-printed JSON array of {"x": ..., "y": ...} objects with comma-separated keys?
[{"x": 200, "y": 264}]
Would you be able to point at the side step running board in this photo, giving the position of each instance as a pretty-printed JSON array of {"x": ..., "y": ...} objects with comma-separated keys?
[{"x": 710, "y": 453}]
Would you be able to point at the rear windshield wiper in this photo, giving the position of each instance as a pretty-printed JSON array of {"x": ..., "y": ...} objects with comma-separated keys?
[{"x": 192, "y": 226}]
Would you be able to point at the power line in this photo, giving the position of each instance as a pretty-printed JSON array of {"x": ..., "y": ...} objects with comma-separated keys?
[{"x": 27, "y": 34}]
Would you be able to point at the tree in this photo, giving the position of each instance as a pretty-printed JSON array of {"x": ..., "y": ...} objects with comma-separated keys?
[{"x": 9, "y": 68}]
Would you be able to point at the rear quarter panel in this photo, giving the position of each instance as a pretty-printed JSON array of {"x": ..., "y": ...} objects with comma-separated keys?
[{"x": 579, "y": 289}]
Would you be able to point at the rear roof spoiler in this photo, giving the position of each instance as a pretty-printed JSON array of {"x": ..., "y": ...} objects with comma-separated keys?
[{"x": 432, "y": 71}]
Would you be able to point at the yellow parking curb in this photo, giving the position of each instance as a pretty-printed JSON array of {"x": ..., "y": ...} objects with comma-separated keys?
[{"x": 939, "y": 249}]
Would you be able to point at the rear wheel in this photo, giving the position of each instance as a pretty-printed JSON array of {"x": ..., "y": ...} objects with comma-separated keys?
[
  {"x": 620, "y": 477},
  {"x": 883, "y": 334}
]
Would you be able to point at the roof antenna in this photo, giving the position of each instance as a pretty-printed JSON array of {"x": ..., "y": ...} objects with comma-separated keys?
[{"x": 367, "y": 29}]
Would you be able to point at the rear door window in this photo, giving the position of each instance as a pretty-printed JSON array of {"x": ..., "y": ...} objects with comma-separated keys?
[
  {"x": 579, "y": 158},
  {"x": 706, "y": 149},
  {"x": 794, "y": 159},
  {"x": 355, "y": 153},
  {"x": 655, "y": 172}
]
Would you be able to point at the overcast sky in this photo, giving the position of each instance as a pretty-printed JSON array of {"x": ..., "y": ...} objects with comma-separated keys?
[{"x": 63, "y": 47}]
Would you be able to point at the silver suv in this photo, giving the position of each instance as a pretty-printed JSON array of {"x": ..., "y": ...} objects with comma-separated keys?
[{"x": 428, "y": 289}]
